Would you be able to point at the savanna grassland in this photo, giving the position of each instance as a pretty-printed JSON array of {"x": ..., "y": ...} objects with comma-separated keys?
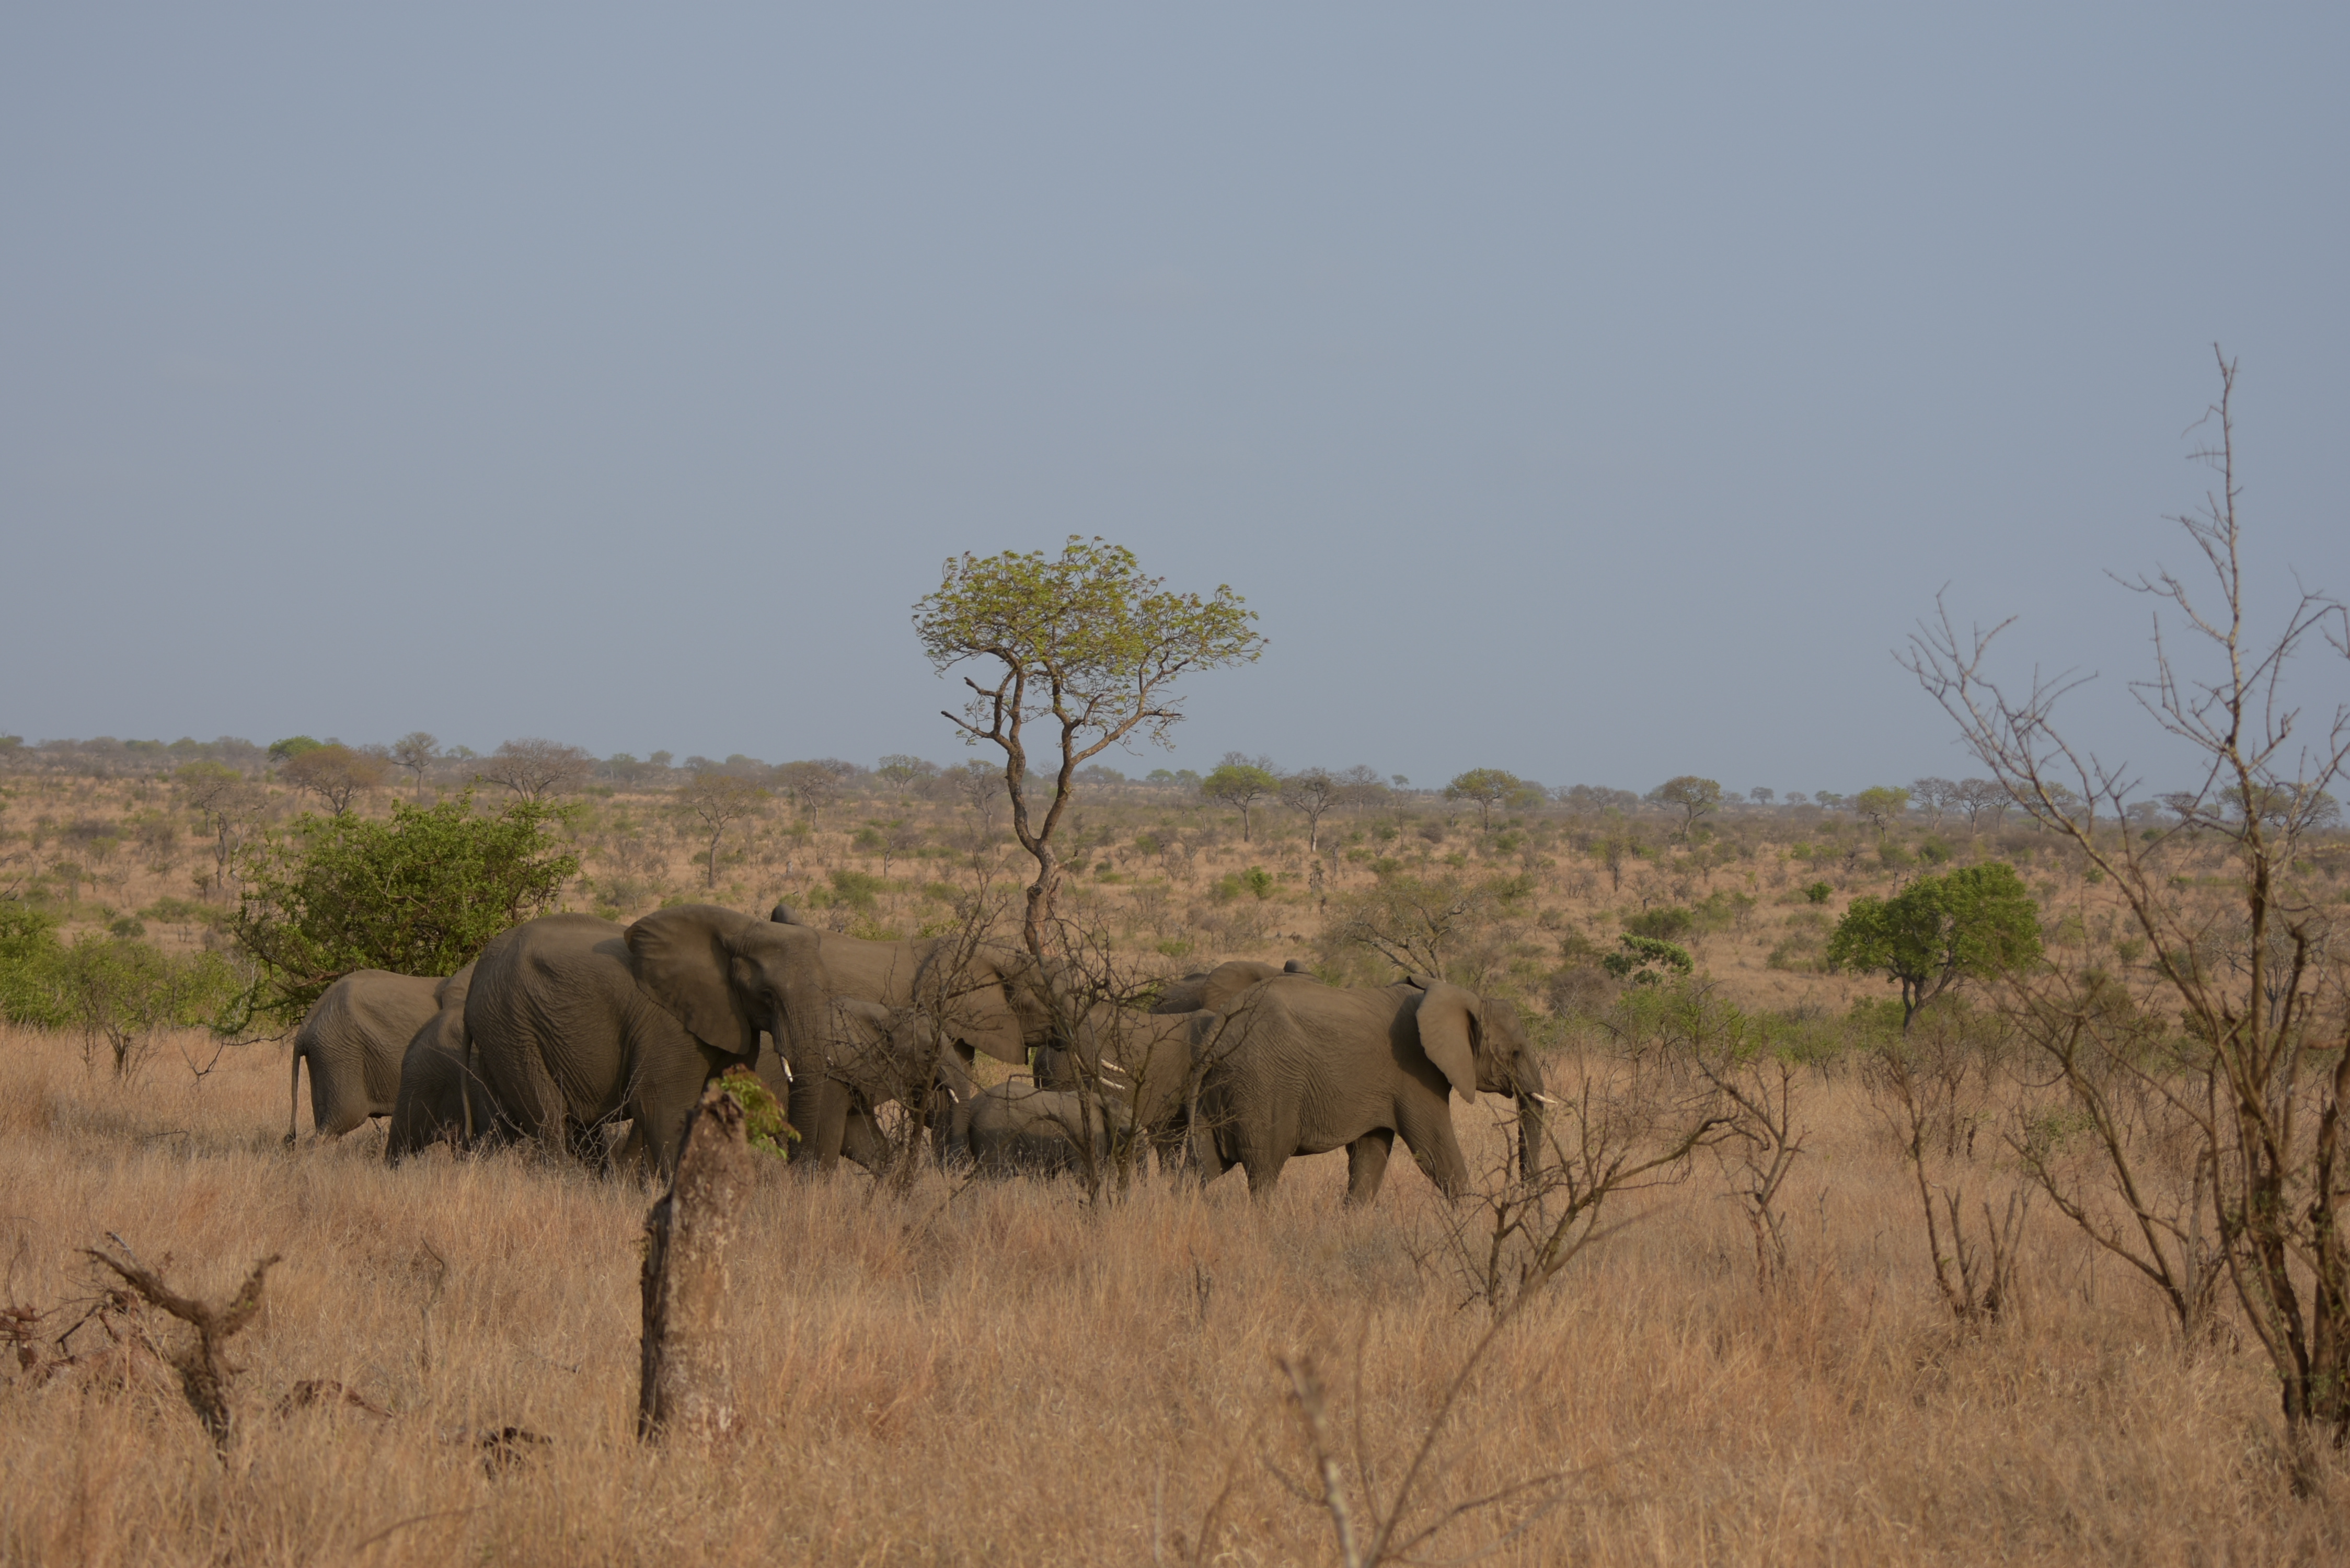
[{"x": 960, "y": 1372}]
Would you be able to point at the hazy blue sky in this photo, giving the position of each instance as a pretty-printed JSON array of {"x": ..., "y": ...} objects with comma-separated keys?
[{"x": 1597, "y": 393}]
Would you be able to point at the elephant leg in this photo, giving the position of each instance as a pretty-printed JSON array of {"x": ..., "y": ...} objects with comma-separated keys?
[
  {"x": 1367, "y": 1164},
  {"x": 662, "y": 1097},
  {"x": 1428, "y": 1132},
  {"x": 943, "y": 1108},
  {"x": 1264, "y": 1173},
  {"x": 820, "y": 1114}
]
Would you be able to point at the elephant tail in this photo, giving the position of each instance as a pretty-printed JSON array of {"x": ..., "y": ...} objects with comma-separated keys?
[{"x": 294, "y": 1092}]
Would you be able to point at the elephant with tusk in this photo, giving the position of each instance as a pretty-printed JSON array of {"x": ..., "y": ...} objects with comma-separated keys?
[{"x": 1303, "y": 1068}]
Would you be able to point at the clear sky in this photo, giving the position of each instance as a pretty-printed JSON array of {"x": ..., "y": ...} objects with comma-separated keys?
[{"x": 1595, "y": 392}]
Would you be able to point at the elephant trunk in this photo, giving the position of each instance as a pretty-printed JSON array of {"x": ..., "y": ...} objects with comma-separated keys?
[{"x": 1532, "y": 1121}]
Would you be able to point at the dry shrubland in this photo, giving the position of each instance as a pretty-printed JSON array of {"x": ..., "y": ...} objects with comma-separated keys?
[
  {"x": 1005, "y": 1373},
  {"x": 1757, "y": 1359}
]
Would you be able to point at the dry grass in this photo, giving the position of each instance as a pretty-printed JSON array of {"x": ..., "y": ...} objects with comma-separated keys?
[{"x": 1007, "y": 1377}]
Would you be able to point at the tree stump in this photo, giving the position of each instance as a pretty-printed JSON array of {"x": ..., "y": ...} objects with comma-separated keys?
[{"x": 686, "y": 1379}]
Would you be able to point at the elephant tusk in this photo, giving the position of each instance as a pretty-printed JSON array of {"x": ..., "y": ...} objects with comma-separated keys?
[{"x": 1539, "y": 1098}]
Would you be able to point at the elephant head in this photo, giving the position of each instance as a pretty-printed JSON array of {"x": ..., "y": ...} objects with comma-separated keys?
[
  {"x": 726, "y": 977},
  {"x": 993, "y": 999},
  {"x": 1479, "y": 1045},
  {"x": 893, "y": 1053}
]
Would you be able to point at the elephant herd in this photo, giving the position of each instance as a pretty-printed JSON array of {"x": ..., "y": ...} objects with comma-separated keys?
[{"x": 567, "y": 1027}]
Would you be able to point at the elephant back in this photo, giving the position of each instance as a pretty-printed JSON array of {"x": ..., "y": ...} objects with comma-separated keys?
[
  {"x": 366, "y": 1019},
  {"x": 1219, "y": 990}
]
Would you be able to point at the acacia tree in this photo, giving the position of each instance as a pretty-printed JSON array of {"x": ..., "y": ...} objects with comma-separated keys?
[
  {"x": 977, "y": 786},
  {"x": 1975, "y": 796},
  {"x": 1688, "y": 794},
  {"x": 225, "y": 802},
  {"x": 417, "y": 751},
  {"x": 811, "y": 786},
  {"x": 718, "y": 801},
  {"x": 1082, "y": 645},
  {"x": 1241, "y": 784},
  {"x": 534, "y": 768},
  {"x": 1487, "y": 787},
  {"x": 334, "y": 774},
  {"x": 1936, "y": 795},
  {"x": 2247, "y": 1056},
  {"x": 1880, "y": 807},
  {"x": 1975, "y": 922},
  {"x": 1310, "y": 793}
]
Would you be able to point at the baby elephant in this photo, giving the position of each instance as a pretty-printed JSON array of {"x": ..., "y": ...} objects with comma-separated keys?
[{"x": 1016, "y": 1128}]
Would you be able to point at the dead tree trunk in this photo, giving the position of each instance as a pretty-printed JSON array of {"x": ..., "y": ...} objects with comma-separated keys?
[
  {"x": 686, "y": 1380},
  {"x": 203, "y": 1374}
]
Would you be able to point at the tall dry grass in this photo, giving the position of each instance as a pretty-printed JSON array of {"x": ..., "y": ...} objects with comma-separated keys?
[{"x": 1004, "y": 1376}]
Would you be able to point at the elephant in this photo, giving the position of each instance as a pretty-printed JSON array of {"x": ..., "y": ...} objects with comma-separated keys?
[
  {"x": 353, "y": 1037},
  {"x": 439, "y": 1096},
  {"x": 1215, "y": 989},
  {"x": 977, "y": 998},
  {"x": 1016, "y": 1128},
  {"x": 877, "y": 1054},
  {"x": 1312, "y": 1067},
  {"x": 1150, "y": 1061},
  {"x": 574, "y": 1022}
]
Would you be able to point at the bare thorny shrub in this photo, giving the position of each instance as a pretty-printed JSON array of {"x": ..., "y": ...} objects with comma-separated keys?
[
  {"x": 1631, "y": 1124},
  {"x": 1137, "y": 1078},
  {"x": 1934, "y": 1085},
  {"x": 2256, "y": 1075}
]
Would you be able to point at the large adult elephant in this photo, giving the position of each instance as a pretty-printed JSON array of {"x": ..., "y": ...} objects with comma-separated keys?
[
  {"x": 1309, "y": 1067},
  {"x": 353, "y": 1037},
  {"x": 575, "y": 1023},
  {"x": 966, "y": 997}
]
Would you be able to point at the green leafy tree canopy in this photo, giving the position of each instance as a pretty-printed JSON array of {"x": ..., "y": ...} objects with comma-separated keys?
[
  {"x": 1691, "y": 795},
  {"x": 1489, "y": 787},
  {"x": 1971, "y": 923},
  {"x": 419, "y": 894},
  {"x": 1880, "y": 807},
  {"x": 1241, "y": 785},
  {"x": 1084, "y": 645}
]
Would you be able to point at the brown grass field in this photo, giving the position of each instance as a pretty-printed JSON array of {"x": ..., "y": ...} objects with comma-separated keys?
[{"x": 1007, "y": 1374}]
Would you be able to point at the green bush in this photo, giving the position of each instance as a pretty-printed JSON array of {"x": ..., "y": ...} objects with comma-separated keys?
[
  {"x": 1256, "y": 881},
  {"x": 1819, "y": 892},
  {"x": 120, "y": 990},
  {"x": 1662, "y": 925},
  {"x": 417, "y": 893},
  {"x": 30, "y": 954},
  {"x": 855, "y": 889},
  {"x": 764, "y": 1127},
  {"x": 1646, "y": 959}
]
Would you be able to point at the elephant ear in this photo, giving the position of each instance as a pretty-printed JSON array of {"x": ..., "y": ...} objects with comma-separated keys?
[
  {"x": 1448, "y": 1021},
  {"x": 683, "y": 959}
]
